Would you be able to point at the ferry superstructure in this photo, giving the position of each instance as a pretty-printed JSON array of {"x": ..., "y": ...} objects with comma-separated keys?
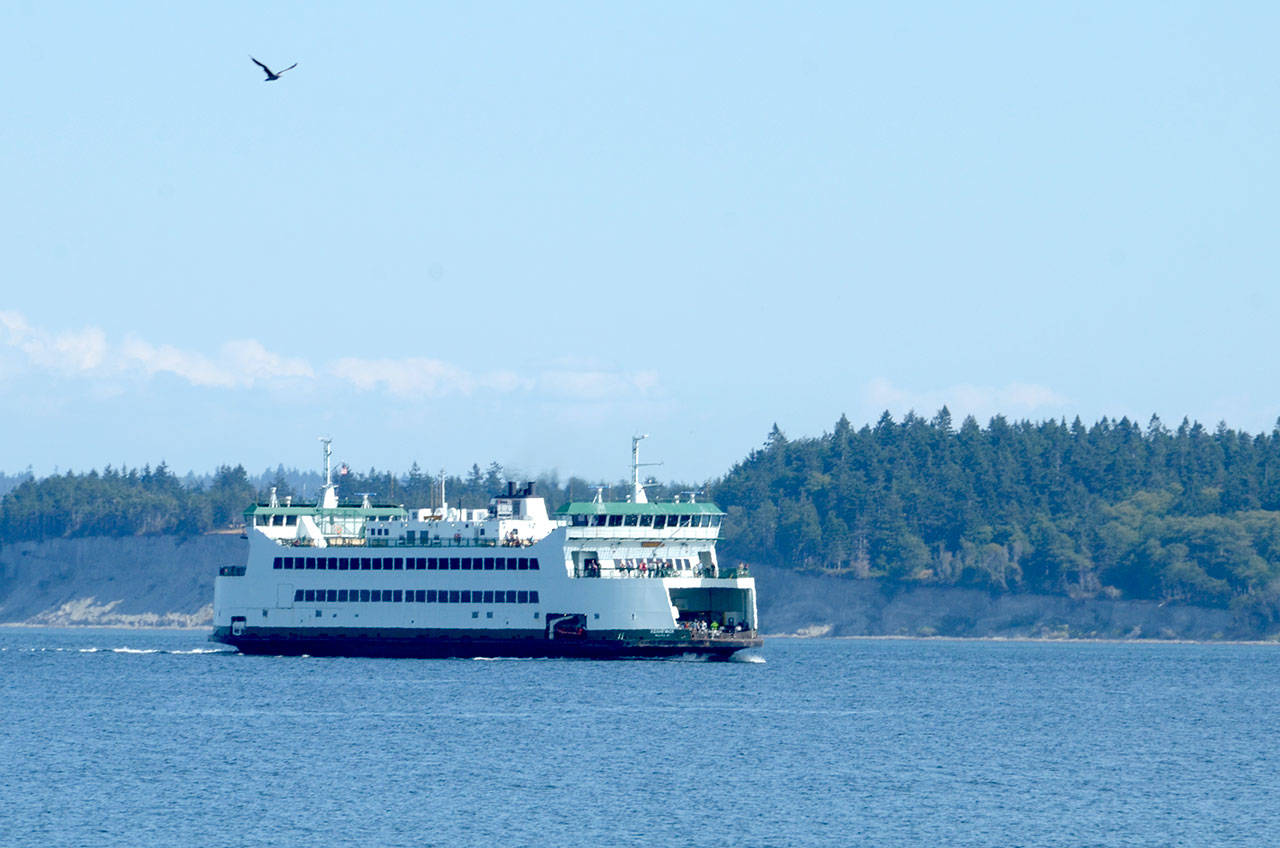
[{"x": 596, "y": 579}]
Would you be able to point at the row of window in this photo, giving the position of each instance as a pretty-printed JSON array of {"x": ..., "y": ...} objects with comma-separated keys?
[
  {"x": 408, "y": 563},
  {"x": 657, "y": 522},
  {"x": 415, "y": 596}
]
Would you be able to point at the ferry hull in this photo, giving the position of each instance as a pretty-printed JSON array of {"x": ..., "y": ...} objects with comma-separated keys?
[{"x": 436, "y": 643}]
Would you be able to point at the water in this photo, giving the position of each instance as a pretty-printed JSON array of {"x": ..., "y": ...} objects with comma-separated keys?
[{"x": 159, "y": 738}]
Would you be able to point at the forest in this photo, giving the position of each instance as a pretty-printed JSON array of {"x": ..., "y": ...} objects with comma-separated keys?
[{"x": 1113, "y": 510}]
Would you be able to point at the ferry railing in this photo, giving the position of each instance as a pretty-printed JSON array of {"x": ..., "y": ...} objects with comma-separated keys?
[{"x": 440, "y": 542}]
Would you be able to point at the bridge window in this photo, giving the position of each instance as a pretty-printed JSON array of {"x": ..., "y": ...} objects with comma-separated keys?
[
  {"x": 331, "y": 596},
  {"x": 454, "y": 563},
  {"x": 420, "y": 596},
  {"x": 659, "y": 521},
  {"x": 533, "y": 598},
  {"x": 455, "y": 596},
  {"x": 342, "y": 596},
  {"x": 431, "y": 596},
  {"x": 522, "y": 563},
  {"x": 511, "y": 596},
  {"x": 630, "y": 520},
  {"x": 599, "y": 520},
  {"x": 533, "y": 563},
  {"x": 646, "y": 521},
  {"x": 488, "y": 563},
  {"x": 466, "y": 596},
  {"x": 277, "y": 563},
  {"x": 310, "y": 596},
  {"x": 579, "y": 520},
  {"x": 399, "y": 564},
  {"x": 298, "y": 596},
  {"x": 376, "y": 596},
  {"x": 522, "y": 597},
  {"x": 397, "y": 596},
  {"x": 487, "y": 597}
]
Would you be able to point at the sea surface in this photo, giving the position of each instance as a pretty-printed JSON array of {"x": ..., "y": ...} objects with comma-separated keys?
[{"x": 124, "y": 737}]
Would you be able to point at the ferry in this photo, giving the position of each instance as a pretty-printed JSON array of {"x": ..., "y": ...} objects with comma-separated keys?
[{"x": 598, "y": 579}]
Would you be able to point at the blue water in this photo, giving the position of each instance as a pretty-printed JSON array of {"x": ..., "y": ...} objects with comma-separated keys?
[{"x": 117, "y": 737}]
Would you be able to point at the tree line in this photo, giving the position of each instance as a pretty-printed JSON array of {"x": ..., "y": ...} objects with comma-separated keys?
[
  {"x": 1113, "y": 509},
  {"x": 154, "y": 501}
]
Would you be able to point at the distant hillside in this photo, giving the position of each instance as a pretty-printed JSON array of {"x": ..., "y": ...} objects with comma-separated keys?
[{"x": 1111, "y": 511}]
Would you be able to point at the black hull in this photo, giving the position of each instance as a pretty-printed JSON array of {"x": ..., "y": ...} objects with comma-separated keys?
[{"x": 441, "y": 644}]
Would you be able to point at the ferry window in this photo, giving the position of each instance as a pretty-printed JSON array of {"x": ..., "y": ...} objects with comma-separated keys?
[
  {"x": 533, "y": 563},
  {"x": 310, "y": 596},
  {"x": 511, "y": 596},
  {"x": 311, "y": 562},
  {"x": 522, "y": 597},
  {"x": 523, "y": 563},
  {"x": 331, "y": 596},
  {"x": 533, "y": 599},
  {"x": 579, "y": 521},
  {"x": 397, "y": 597},
  {"x": 466, "y": 563},
  {"x": 399, "y": 564},
  {"x": 488, "y": 563},
  {"x": 487, "y": 598},
  {"x": 277, "y": 563},
  {"x": 659, "y": 521},
  {"x": 298, "y": 595},
  {"x": 377, "y": 564},
  {"x": 466, "y": 596},
  {"x": 684, "y": 520},
  {"x": 499, "y": 597},
  {"x": 290, "y": 520},
  {"x": 343, "y": 563},
  {"x": 376, "y": 596},
  {"x": 420, "y": 596},
  {"x": 629, "y": 520},
  {"x": 431, "y": 596},
  {"x": 599, "y": 520},
  {"x": 331, "y": 563},
  {"x": 420, "y": 563},
  {"x": 454, "y": 563},
  {"x": 715, "y": 520},
  {"x": 500, "y": 563},
  {"x": 364, "y": 596},
  {"x": 431, "y": 563},
  {"x": 615, "y": 521},
  {"x": 454, "y": 596},
  {"x": 342, "y": 596},
  {"x": 646, "y": 521}
]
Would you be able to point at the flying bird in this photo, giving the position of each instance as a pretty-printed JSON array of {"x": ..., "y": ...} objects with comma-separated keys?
[{"x": 272, "y": 75}]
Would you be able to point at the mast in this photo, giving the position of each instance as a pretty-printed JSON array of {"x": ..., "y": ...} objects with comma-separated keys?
[
  {"x": 329, "y": 496},
  {"x": 637, "y": 488}
]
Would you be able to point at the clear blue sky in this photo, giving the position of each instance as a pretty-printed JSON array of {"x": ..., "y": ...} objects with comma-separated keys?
[{"x": 522, "y": 232}]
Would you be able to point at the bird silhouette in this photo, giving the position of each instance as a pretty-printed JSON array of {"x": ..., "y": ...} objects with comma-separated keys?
[{"x": 272, "y": 75}]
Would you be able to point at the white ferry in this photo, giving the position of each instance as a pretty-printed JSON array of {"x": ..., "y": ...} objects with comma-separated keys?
[{"x": 597, "y": 579}]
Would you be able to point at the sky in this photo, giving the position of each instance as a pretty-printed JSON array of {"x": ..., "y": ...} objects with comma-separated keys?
[{"x": 523, "y": 233}]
